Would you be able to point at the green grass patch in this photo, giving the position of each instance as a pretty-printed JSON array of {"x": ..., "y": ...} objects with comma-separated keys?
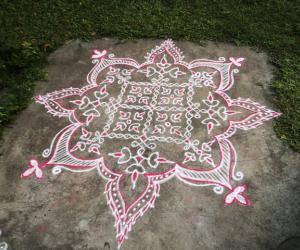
[
  {"x": 31, "y": 29},
  {"x": 20, "y": 66}
]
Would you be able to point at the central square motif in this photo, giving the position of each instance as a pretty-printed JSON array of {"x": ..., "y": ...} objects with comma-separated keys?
[{"x": 153, "y": 110}]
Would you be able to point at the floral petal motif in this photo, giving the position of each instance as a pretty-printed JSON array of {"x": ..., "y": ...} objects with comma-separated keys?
[
  {"x": 33, "y": 168},
  {"x": 238, "y": 196},
  {"x": 258, "y": 115},
  {"x": 51, "y": 101},
  {"x": 126, "y": 214},
  {"x": 98, "y": 54}
]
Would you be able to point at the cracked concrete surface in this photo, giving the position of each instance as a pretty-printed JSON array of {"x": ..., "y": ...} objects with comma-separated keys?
[{"x": 69, "y": 211}]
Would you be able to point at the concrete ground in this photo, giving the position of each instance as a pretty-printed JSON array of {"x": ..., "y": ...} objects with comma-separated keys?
[{"x": 69, "y": 211}]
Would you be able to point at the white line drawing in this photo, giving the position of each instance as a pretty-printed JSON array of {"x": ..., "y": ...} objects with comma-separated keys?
[{"x": 159, "y": 110}]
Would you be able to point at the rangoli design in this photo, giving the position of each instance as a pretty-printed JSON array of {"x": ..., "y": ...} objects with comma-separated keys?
[{"x": 140, "y": 125}]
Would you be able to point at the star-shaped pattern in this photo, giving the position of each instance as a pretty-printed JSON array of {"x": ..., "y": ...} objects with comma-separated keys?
[{"x": 140, "y": 125}]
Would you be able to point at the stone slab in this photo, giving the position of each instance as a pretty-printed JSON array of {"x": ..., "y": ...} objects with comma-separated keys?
[{"x": 69, "y": 210}]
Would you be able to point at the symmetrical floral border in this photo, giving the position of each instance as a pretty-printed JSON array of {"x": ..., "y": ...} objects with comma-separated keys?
[{"x": 221, "y": 176}]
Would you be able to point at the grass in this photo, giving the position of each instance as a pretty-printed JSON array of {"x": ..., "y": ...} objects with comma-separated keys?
[{"x": 30, "y": 30}]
